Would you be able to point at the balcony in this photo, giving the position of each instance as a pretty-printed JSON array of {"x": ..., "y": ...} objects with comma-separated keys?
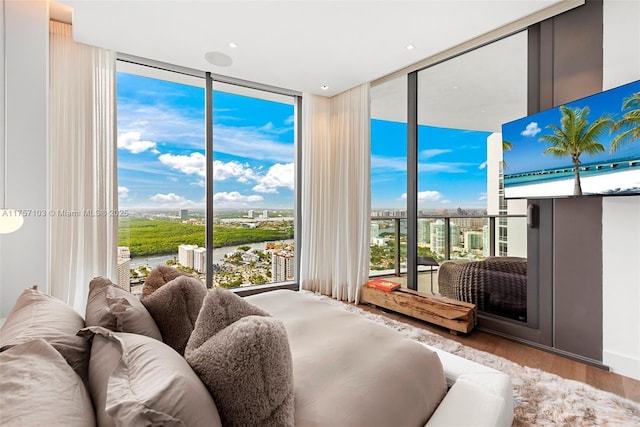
[{"x": 440, "y": 238}]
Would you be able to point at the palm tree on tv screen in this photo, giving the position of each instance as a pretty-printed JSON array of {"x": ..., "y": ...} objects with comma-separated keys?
[
  {"x": 576, "y": 136},
  {"x": 629, "y": 124}
]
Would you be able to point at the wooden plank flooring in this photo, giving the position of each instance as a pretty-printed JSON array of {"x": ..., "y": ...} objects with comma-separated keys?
[{"x": 530, "y": 356}]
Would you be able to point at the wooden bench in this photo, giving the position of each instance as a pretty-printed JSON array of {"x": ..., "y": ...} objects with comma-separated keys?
[{"x": 457, "y": 316}]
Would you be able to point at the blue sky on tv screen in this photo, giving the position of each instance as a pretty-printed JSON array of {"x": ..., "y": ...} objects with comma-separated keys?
[
  {"x": 526, "y": 154},
  {"x": 161, "y": 147}
]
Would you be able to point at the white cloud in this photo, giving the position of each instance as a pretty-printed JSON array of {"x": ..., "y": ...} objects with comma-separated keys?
[
  {"x": 172, "y": 199},
  {"x": 483, "y": 165},
  {"x": 131, "y": 141},
  {"x": 427, "y": 154},
  {"x": 531, "y": 130},
  {"x": 277, "y": 176},
  {"x": 193, "y": 164},
  {"x": 426, "y": 196},
  {"x": 234, "y": 197},
  {"x": 123, "y": 192},
  {"x": 233, "y": 169},
  {"x": 252, "y": 143},
  {"x": 483, "y": 196}
]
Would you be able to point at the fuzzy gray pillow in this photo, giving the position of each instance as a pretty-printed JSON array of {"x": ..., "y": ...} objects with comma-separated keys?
[
  {"x": 175, "y": 307},
  {"x": 243, "y": 357},
  {"x": 159, "y": 276}
]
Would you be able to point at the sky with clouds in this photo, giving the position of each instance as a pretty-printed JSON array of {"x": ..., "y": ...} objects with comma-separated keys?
[
  {"x": 161, "y": 156},
  {"x": 526, "y": 153},
  {"x": 451, "y": 167}
]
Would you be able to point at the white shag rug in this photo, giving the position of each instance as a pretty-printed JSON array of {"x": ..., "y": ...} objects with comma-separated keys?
[{"x": 540, "y": 398}]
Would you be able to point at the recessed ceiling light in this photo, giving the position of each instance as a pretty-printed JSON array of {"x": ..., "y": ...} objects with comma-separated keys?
[
  {"x": 410, "y": 47},
  {"x": 324, "y": 87},
  {"x": 233, "y": 45}
]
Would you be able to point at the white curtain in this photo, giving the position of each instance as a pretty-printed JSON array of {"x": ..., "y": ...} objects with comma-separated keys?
[
  {"x": 336, "y": 194},
  {"x": 82, "y": 167}
]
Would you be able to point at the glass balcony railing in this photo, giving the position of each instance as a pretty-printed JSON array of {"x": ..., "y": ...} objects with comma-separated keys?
[{"x": 441, "y": 238}]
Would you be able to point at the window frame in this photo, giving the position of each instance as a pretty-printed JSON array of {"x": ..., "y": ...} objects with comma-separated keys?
[{"x": 184, "y": 75}]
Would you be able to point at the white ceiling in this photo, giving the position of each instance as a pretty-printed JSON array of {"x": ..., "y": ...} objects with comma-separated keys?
[{"x": 298, "y": 45}]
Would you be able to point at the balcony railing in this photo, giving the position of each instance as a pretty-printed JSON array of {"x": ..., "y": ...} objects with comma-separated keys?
[{"x": 444, "y": 237}]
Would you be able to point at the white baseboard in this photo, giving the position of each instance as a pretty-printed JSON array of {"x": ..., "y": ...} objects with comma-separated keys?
[{"x": 622, "y": 364}]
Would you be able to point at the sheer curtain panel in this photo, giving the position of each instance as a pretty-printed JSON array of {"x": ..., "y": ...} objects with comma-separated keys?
[
  {"x": 82, "y": 168},
  {"x": 336, "y": 194}
]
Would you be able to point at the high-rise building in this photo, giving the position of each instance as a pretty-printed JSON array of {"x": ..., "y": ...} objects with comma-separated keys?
[
  {"x": 282, "y": 266},
  {"x": 436, "y": 238},
  {"x": 375, "y": 231},
  {"x": 473, "y": 240},
  {"x": 437, "y": 234},
  {"x": 454, "y": 235},
  {"x": 199, "y": 259},
  {"x": 424, "y": 231},
  {"x": 185, "y": 255},
  {"x": 250, "y": 214},
  {"x": 486, "y": 241},
  {"x": 265, "y": 214},
  {"x": 123, "y": 252},
  {"x": 124, "y": 274},
  {"x": 124, "y": 268},
  {"x": 184, "y": 213}
]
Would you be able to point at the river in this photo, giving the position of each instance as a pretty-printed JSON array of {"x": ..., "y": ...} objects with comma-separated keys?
[{"x": 218, "y": 254}]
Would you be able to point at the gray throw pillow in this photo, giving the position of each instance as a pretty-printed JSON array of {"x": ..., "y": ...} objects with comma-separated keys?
[
  {"x": 175, "y": 307},
  {"x": 39, "y": 388},
  {"x": 38, "y": 315},
  {"x": 243, "y": 358},
  {"x": 139, "y": 381},
  {"x": 118, "y": 310}
]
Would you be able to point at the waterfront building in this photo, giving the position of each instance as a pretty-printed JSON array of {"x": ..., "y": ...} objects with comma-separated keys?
[
  {"x": 265, "y": 214},
  {"x": 124, "y": 274},
  {"x": 282, "y": 266},
  {"x": 375, "y": 231},
  {"x": 185, "y": 255},
  {"x": 250, "y": 214},
  {"x": 199, "y": 260},
  {"x": 123, "y": 252}
]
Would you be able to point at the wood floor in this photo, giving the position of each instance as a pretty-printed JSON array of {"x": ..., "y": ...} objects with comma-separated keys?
[{"x": 530, "y": 356}]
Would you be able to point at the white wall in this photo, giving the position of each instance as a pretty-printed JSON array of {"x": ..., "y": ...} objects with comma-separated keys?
[
  {"x": 24, "y": 254},
  {"x": 621, "y": 215}
]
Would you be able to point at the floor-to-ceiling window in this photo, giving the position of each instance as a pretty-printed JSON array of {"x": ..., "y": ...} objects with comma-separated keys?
[
  {"x": 461, "y": 105},
  {"x": 162, "y": 180},
  {"x": 253, "y": 175},
  {"x": 389, "y": 178}
]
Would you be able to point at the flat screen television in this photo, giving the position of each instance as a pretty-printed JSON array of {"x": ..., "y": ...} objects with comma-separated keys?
[{"x": 583, "y": 148}]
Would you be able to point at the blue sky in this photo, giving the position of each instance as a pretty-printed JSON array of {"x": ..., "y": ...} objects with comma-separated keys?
[
  {"x": 524, "y": 134},
  {"x": 161, "y": 159},
  {"x": 451, "y": 167}
]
